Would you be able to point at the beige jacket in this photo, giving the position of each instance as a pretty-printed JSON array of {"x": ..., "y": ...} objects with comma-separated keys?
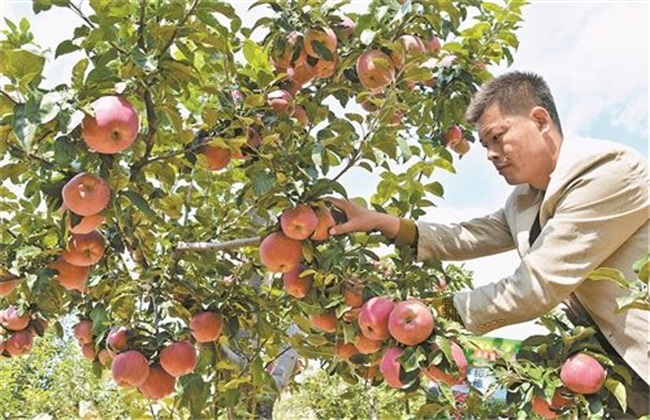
[{"x": 594, "y": 214}]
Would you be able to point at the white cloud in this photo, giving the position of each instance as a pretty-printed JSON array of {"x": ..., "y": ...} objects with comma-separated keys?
[{"x": 595, "y": 57}]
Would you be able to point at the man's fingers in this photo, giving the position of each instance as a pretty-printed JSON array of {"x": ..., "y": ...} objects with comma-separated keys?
[
  {"x": 336, "y": 202},
  {"x": 340, "y": 229}
]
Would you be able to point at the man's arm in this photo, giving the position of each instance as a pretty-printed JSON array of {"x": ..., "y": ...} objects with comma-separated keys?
[
  {"x": 475, "y": 238},
  {"x": 595, "y": 213}
]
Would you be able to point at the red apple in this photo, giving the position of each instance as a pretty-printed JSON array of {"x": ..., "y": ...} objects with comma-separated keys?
[
  {"x": 19, "y": 343},
  {"x": 130, "y": 369},
  {"x": 433, "y": 44},
  {"x": 217, "y": 157},
  {"x": 323, "y": 68},
  {"x": 118, "y": 338},
  {"x": 296, "y": 285},
  {"x": 158, "y": 384},
  {"x": 299, "y": 222},
  {"x": 345, "y": 350},
  {"x": 411, "y": 46},
  {"x": 71, "y": 277},
  {"x": 324, "y": 322},
  {"x": 300, "y": 115},
  {"x": 178, "y": 358},
  {"x": 583, "y": 374},
  {"x": 462, "y": 147},
  {"x": 410, "y": 322},
  {"x": 366, "y": 345},
  {"x": 375, "y": 70},
  {"x": 85, "y": 249},
  {"x": 206, "y": 326},
  {"x": 345, "y": 27},
  {"x": 353, "y": 294},
  {"x": 12, "y": 321},
  {"x": 390, "y": 367},
  {"x": 282, "y": 52},
  {"x": 105, "y": 357},
  {"x": 373, "y": 319},
  {"x": 83, "y": 331},
  {"x": 325, "y": 222},
  {"x": 88, "y": 351},
  {"x": 453, "y": 136},
  {"x": 301, "y": 73},
  {"x": 542, "y": 408},
  {"x": 86, "y": 194},
  {"x": 280, "y": 101},
  {"x": 280, "y": 254},
  {"x": 88, "y": 223},
  {"x": 114, "y": 126}
]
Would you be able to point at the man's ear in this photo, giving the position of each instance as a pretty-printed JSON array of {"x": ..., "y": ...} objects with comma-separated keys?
[{"x": 541, "y": 117}]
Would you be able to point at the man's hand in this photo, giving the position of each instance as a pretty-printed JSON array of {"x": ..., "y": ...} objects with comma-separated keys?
[{"x": 361, "y": 219}]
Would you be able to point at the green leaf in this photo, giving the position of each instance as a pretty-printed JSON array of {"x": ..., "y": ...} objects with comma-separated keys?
[
  {"x": 138, "y": 201},
  {"x": 65, "y": 47},
  {"x": 12, "y": 171},
  {"x": 78, "y": 73},
  {"x": 262, "y": 181},
  {"x": 194, "y": 393},
  {"x": 611, "y": 274},
  {"x": 618, "y": 390},
  {"x": 23, "y": 66},
  {"x": 435, "y": 188}
]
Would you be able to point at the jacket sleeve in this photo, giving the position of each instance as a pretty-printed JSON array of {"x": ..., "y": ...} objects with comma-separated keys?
[
  {"x": 593, "y": 214},
  {"x": 475, "y": 238}
]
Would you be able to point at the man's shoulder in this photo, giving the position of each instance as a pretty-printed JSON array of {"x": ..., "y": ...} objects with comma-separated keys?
[
  {"x": 576, "y": 148},
  {"x": 602, "y": 161}
]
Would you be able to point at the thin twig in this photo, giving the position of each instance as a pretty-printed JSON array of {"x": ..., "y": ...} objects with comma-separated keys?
[
  {"x": 92, "y": 25},
  {"x": 79, "y": 13}
]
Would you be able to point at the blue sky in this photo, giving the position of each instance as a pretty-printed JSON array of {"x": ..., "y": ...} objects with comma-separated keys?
[{"x": 594, "y": 55}]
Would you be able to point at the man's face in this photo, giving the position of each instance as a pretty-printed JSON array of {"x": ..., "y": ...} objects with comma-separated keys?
[{"x": 517, "y": 147}]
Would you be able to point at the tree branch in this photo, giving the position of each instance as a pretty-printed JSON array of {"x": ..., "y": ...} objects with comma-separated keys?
[
  {"x": 215, "y": 246},
  {"x": 152, "y": 129},
  {"x": 180, "y": 24},
  {"x": 141, "y": 24}
]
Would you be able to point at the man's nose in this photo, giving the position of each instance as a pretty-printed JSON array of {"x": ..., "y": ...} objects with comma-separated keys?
[{"x": 492, "y": 154}]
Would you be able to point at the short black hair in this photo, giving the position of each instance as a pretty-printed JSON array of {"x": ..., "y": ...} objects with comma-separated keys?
[{"x": 516, "y": 93}]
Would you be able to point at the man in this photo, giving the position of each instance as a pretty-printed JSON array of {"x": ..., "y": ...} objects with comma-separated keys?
[{"x": 578, "y": 204}]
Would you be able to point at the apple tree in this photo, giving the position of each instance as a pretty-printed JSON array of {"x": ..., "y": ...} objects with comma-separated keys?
[{"x": 169, "y": 191}]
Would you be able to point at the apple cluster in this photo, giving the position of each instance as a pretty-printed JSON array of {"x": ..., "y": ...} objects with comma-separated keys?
[
  {"x": 155, "y": 374},
  {"x": 112, "y": 128},
  {"x": 384, "y": 329},
  {"x": 18, "y": 330},
  {"x": 281, "y": 251}
]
